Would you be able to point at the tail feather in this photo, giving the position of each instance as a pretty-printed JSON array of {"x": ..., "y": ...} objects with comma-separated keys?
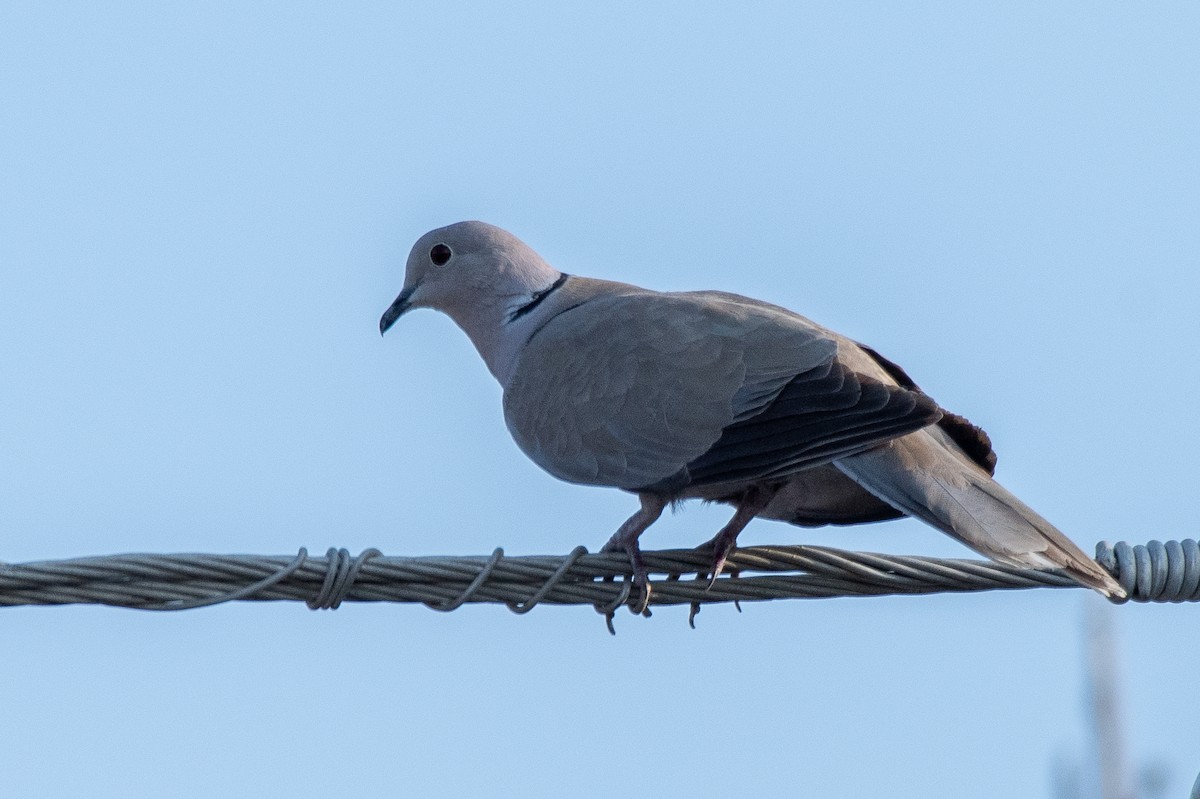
[{"x": 922, "y": 476}]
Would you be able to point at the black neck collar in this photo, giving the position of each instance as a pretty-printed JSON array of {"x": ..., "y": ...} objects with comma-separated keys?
[{"x": 537, "y": 298}]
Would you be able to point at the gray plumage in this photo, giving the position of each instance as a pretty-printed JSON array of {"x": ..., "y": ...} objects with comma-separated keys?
[{"x": 716, "y": 396}]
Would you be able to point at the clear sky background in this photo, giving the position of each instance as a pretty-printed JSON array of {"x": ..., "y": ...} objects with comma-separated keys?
[{"x": 204, "y": 208}]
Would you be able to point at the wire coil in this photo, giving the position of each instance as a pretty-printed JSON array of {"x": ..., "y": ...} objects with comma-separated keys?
[{"x": 1156, "y": 571}]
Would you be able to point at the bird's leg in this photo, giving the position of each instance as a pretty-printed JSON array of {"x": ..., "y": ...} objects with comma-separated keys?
[
  {"x": 626, "y": 538},
  {"x": 749, "y": 506}
]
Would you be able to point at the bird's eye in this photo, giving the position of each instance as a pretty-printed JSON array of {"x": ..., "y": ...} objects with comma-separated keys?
[{"x": 440, "y": 254}]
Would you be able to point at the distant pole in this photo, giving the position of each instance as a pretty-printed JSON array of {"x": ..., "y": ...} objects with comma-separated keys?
[{"x": 1104, "y": 702}]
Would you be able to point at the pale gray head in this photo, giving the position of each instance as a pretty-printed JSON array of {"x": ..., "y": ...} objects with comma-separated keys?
[{"x": 478, "y": 275}]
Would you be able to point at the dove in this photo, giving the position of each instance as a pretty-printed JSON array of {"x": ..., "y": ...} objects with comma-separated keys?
[{"x": 714, "y": 396}]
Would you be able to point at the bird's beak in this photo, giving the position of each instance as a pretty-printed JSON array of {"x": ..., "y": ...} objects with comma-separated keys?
[{"x": 395, "y": 310}]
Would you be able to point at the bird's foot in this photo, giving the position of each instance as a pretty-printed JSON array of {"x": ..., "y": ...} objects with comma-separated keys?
[
  {"x": 625, "y": 539},
  {"x": 752, "y": 502},
  {"x": 641, "y": 576}
]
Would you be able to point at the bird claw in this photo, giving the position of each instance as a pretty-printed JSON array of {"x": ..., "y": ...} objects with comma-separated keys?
[
  {"x": 641, "y": 581},
  {"x": 641, "y": 576},
  {"x": 722, "y": 547}
]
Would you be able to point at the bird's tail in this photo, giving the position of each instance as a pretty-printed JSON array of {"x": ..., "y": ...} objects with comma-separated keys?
[{"x": 921, "y": 476}]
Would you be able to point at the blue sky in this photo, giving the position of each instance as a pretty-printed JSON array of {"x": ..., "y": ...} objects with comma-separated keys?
[{"x": 205, "y": 208}]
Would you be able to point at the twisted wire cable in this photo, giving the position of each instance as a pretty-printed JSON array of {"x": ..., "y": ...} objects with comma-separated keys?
[{"x": 1153, "y": 572}]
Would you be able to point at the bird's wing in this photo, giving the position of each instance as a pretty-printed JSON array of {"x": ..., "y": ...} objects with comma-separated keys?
[{"x": 658, "y": 392}]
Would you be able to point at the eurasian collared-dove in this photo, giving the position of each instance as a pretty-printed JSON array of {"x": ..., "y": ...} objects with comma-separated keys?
[{"x": 720, "y": 397}]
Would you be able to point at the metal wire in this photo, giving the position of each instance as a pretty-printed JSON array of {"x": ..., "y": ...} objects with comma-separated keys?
[{"x": 1154, "y": 572}]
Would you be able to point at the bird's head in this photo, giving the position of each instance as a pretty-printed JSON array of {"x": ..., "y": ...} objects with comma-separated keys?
[{"x": 471, "y": 271}]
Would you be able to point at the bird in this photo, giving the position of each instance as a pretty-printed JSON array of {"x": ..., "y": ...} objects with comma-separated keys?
[{"x": 715, "y": 396}]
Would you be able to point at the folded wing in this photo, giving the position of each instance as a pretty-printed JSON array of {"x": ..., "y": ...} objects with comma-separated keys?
[{"x": 662, "y": 392}]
